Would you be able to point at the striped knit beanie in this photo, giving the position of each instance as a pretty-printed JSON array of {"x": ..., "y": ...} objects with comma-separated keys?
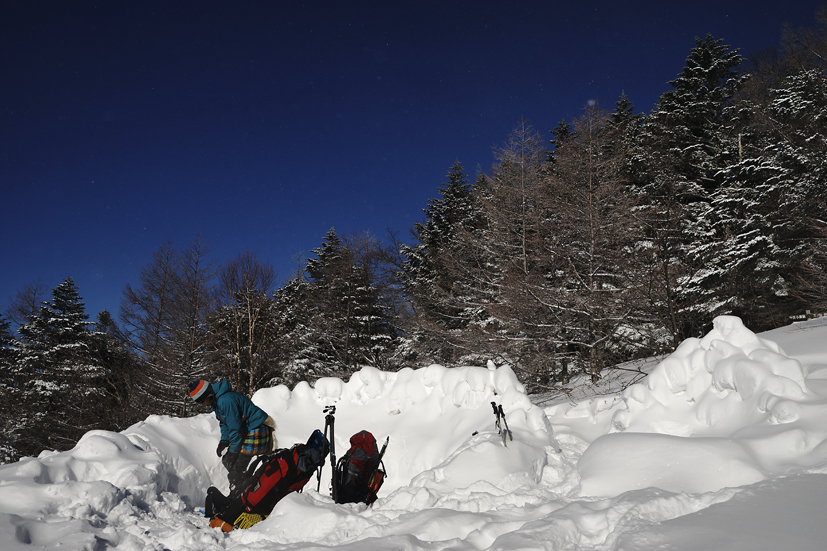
[{"x": 198, "y": 388}]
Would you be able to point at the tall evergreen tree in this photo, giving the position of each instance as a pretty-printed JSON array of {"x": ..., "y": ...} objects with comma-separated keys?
[
  {"x": 681, "y": 150},
  {"x": 7, "y": 343},
  {"x": 59, "y": 372},
  {"x": 560, "y": 134},
  {"x": 9, "y": 413},
  {"x": 424, "y": 273},
  {"x": 297, "y": 342},
  {"x": 762, "y": 214},
  {"x": 627, "y": 126},
  {"x": 686, "y": 125},
  {"x": 346, "y": 323}
]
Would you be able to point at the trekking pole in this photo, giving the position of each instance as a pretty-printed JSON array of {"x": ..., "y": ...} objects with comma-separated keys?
[
  {"x": 497, "y": 422},
  {"x": 378, "y": 462},
  {"x": 502, "y": 414},
  {"x": 372, "y": 478}
]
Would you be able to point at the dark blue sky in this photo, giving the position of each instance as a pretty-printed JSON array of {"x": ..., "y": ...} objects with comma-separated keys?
[{"x": 261, "y": 125}]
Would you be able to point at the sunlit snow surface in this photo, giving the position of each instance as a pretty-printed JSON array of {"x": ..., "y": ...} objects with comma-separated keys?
[{"x": 722, "y": 446}]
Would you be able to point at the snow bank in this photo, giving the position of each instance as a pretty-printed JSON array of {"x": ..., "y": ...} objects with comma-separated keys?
[
  {"x": 431, "y": 416},
  {"x": 739, "y": 397},
  {"x": 716, "y": 431},
  {"x": 443, "y": 449}
]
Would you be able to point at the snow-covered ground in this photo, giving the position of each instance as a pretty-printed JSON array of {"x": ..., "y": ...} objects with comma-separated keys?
[{"x": 723, "y": 445}]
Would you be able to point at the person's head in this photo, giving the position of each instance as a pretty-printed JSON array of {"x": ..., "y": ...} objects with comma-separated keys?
[{"x": 201, "y": 392}]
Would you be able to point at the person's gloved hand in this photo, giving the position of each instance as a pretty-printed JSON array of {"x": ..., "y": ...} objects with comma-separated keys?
[
  {"x": 234, "y": 478},
  {"x": 229, "y": 460},
  {"x": 223, "y": 445}
]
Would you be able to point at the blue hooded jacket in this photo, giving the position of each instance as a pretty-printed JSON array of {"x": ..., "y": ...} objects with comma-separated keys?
[{"x": 237, "y": 414}]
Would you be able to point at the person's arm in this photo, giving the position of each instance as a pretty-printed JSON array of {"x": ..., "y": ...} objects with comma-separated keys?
[{"x": 232, "y": 429}]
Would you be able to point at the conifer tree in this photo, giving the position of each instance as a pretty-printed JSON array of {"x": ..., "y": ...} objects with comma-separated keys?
[
  {"x": 627, "y": 125},
  {"x": 685, "y": 127},
  {"x": 297, "y": 343},
  {"x": 7, "y": 343},
  {"x": 762, "y": 214},
  {"x": 346, "y": 322},
  {"x": 424, "y": 273},
  {"x": 59, "y": 373},
  {"x": 9, "y": 413},
  {"x": 624, "y": 112},
  {"x": 681, "y": 150},
  {"x": 560, "y": 134}
]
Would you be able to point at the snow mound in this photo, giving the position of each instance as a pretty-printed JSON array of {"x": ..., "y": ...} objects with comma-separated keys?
[
  {"x": 739, "y": 397},
  {"x": 438, "y": 420},
  {"x": 443, "y": 451},
  {"x": 713, "y": 386},
  {"x": 707, "y": 441}
]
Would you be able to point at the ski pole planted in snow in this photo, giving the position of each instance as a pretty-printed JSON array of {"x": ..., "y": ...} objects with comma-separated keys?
[
  {"x": 497, "y": 423},
  {"x": 502, "y": 415}
]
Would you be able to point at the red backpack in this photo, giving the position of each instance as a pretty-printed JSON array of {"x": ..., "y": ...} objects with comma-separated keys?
[
  {"x": 267, "y": 481},
  {"x": 360, "y": 472}
]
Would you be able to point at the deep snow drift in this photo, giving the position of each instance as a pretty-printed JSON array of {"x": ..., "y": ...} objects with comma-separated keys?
[{"x": 722, "y": 446}]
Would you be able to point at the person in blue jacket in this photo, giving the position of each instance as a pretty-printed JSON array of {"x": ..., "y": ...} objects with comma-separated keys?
[{"x": 246, "y": 429}]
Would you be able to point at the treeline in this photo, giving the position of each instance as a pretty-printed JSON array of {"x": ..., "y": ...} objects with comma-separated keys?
[{"x": 618, "y": 238}]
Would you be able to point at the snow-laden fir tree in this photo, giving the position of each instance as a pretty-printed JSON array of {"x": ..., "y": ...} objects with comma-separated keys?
[
  {"x": 560, "y": 134},
  {"x": 59, "y": 373},
  {"x": 764, "y": 212},
  {"x": 681, "y": 150},
  {"x": 297, "y": 343},
  {"x": 9, "y": 414},
  {"x": 344, "y": 320},
  {"x": 425, "y": 274}
]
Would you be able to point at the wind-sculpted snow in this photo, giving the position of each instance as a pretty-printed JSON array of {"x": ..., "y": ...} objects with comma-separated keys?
[
  {"x": 738, "y": 396},
  {"x": 712, "y": 386},
  {"x": 443, "y": 451},
  {"x": 725, "y": 417},
  {"x": 429, "y": 414}
]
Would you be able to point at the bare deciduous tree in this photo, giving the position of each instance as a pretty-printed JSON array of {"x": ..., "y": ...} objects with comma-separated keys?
[
  {"x": 244, "y": 328},
  {"x": 164, "y": 323},
  {"x": 589, "y": 233},
  {"x": 26, "y": 302}
]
